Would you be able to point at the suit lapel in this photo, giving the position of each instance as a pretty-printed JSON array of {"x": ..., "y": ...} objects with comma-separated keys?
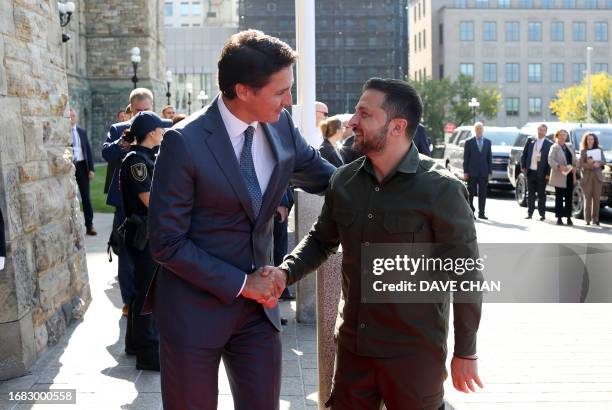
[
  {"x": 221, "y": 148},
  {"x": 273, "y": 141}
]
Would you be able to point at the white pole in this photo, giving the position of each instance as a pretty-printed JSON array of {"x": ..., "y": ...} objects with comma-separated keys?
[
  {"x": 588, "y": 116},
  {"x": 306, "y": 77}
]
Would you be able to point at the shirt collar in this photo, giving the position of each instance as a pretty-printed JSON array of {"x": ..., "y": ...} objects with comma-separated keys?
[
  {"x": 234, "y": 125},
  {"x": 146, "y": 150},
  {"x": 408, "y": 165}
]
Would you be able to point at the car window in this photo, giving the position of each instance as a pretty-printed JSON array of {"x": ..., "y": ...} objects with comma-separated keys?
[
  {"x": 464, "y": 135},
  {"x": 500, "y": 137},
  {"x": 521, "y": 140},
  {"x": 453, "y": 138},
  {"x": 604, "y": 135}
]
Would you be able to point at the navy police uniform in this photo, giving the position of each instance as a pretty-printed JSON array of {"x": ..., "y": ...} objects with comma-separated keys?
[{"x": 135, "y": 178}]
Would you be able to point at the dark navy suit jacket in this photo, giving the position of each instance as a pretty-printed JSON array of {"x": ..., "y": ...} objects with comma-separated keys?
[
  {"x": 113, "y": 153},
  {"x": 422, "y": 141},
  {"x": 543, "y": 167},
  {"x": 202, "y": 228},
  {"x": 477, "y": 163},
  {"x": 86, "y": 148}
]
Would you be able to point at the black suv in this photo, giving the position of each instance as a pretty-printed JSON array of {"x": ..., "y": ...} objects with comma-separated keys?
[{"x": 576, "y": 131}]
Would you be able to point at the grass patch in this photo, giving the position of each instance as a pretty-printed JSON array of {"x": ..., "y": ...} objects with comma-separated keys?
[{"x": 96, "y": 191}]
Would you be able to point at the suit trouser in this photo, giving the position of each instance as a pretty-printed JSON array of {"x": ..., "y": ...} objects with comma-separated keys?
[
  {"x": 82, "y": 179},
  {"x": 144, "y": 334},
  {"x": 478, "y": 186},
  {"x": 252, "y": 357},
  {"x": 403, "y": 383},
  {"x": 592, "y": 198},
  {"x": 125, "y": 266},
  {"x": 536, "y": 187},
  {"x": 563, "y": 198}
]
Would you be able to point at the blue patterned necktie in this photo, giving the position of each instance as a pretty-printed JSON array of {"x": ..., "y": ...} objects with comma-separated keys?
[
  {"x": 479, "y": 140},
  {"x": 247, "y": 170}
]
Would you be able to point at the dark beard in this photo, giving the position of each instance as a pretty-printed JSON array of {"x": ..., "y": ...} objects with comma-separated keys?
[{"x": 375, "y": 143}]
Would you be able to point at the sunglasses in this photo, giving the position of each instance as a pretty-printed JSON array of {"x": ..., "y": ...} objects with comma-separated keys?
[{"x": 324, "y": 113}]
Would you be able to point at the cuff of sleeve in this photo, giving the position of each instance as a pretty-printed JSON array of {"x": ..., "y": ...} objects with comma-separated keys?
[
  {"x": 242, "y": 287},
  {"x": 465, "y": 347}
]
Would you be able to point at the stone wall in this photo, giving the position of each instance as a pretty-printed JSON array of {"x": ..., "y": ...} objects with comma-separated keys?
[
  {"x": 98, "y": 59},
  {"x": 44, "y": 285}
]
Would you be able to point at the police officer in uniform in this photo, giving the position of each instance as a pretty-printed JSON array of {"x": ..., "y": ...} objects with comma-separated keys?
[{"x": 145, "y": 135}]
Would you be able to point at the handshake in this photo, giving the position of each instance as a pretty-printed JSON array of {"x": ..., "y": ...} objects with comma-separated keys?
[{"x": 265, "y": 285}]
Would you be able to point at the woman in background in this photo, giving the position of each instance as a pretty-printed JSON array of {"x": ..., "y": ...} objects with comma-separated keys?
[
  {"x": 331, "y": 129},
  {"x": 591, "y": 178}
]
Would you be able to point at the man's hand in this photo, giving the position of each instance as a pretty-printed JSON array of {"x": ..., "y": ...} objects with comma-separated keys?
[
  {"x": 279, "y": 276},
  {"x": 261, "y": 286},
  {"x": 464, "y": 373},
  {"x": 282, "y": 212},
  {"x": 124, "y": 144},
  {"x": 466, "y": 176},
  {"x": 90, "y": 175},
  {"x": 524, "y": 171}
]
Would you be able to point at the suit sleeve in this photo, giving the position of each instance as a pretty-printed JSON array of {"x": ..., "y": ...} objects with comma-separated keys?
[
  {"x": 111, "y": 150},
  {"x": 455, "y": 236},
  {"x": 90, "y": 162},
  {"x": 490, "y": 158},
  {"x": 524, "y": 155},
  {"x": 170, "y": 212},
  {"x": 466, "y": 157},
  {"x": 311, "y": 172},
  {"x": 314, "y": 249}
]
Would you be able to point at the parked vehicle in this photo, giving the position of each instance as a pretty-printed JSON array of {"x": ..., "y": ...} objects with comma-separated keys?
[
  {"x": 501, "y": 138},
  {"x": 576, "y": 131}
]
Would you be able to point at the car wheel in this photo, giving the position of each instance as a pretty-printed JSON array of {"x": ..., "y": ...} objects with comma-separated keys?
[
  {"x": 520, "y": 192},
  {"x": 578, "y": 202}
]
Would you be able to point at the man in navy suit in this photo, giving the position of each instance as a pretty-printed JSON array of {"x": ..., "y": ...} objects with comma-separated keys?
[
  {"x": 113, "y": 151},
  {"x": 218, "y": 180},
  {"x": 422, "y": 141},
  {"x": 84, "y": 168},
  {"x": 477, "y": 167},
  {"x": 534, "y": 164}
]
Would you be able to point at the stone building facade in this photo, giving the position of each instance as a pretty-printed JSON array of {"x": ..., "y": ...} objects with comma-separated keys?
[{"x": 44, "y": 285}]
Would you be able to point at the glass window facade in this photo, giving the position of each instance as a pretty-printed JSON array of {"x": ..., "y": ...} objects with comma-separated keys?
[
  {"x": 534, "y": 72},
  {"x": 534, "y": 31},
  {"x": 489, "y": 31},
  {"x": 579, "y": 31},
  {"x": 557, "y": 74},
  {"x": 513, "y": 31},
  {"x": 557, "y": 30},
  {"x": 466, "y": 31},
  {"x": 513, "y": 71}
]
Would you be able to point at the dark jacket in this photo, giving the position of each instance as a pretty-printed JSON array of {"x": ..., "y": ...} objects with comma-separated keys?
[
  {"x": 422, "y": 141},
  {"x": 202, "y": 228},
  {"x": 113, "y": 153},
  {"x": 330, "y": 153},
  {"x": 86, "y": 148},
  {"x": 543, "y": 167},
  {"x": 2, "y": 239},
  {"x": 346, "y": 151},
  {"x": 477, "y": 163}
]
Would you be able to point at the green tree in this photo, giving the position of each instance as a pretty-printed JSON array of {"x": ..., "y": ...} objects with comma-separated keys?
[
  {"x": 464, "y": 89},
  {"x": 571, "y": 103},
  {"x": 436, "y": 96}
]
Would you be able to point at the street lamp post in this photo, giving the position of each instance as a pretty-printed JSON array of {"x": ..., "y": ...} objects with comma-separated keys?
[
  {"x": 168, "y": 81},
  {"x": 135, "y": 60},
  {"x": 588, "y": 76},
  {"x": 202, "y": 97},
  {"x": 66, "y": 11},
  {"x": 189, "y": 89},
  {"x": 474, "y": 104}
]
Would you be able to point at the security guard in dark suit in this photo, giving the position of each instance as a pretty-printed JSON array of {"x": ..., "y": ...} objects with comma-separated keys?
[{"x": 135, "y": 178}]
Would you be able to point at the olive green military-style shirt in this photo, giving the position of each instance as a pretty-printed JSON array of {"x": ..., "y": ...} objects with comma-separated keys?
[{"x": 419, "y": 202}]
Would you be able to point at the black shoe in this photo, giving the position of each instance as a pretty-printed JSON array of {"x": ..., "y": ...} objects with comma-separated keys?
[
  {"x": 559, "y": 221},
  {"x": 130, "y": 351},
  {"x": 284, "y": 321},
  {"x": 91, "y": 231},
  {"x": 588, "y": 223},
  {"x": 147, "y": 360},
  {"x": 596, "y": 223},
  {"x": 528, "y": 217},
  {"x": 482, "y": 217},
  {"x": 542, "y": 218},
  {"x": 154, "y": 366},
  {"x": 569, "y": 222}
]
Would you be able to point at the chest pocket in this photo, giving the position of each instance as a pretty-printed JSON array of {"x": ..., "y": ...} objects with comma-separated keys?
[{"x": 404, "y": 226}]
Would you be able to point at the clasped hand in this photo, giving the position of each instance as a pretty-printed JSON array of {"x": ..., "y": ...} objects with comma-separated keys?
[{"x": 265, "y": 285}]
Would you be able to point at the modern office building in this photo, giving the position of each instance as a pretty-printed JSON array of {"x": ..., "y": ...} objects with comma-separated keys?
[
  {"x": 528, "y": 49},
  {"x": 195, "y": 34},
  {"x": 355, "y": 40}
]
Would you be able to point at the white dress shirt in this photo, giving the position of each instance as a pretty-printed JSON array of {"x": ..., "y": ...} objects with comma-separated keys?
[
  {"x": 263, "y": 158},
  {"x": 77, "y": 150},
  {"x": 535, "y": 155}
]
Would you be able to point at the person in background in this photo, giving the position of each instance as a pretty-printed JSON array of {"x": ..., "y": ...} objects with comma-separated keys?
[
  {"x": 478, "y": 167},
  {"x": 562, "y": 161},
  {"x": 178, "y": 118},
  {"x": 128, "y": 112},
  {"x": 145, "y": 134},
  {"x": 121, "y": 116},
  {"x": 84, "y": 169},
  {"x": 331, "y": 130},
  {"x": 113, "y": 151},
  {"x": 591, "y": 179},
  {"x": 168, "y": 112},
  {"x": 422, "y": 141},
  {"x": 534, "y": 165}
]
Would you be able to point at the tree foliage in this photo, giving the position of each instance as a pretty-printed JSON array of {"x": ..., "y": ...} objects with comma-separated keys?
[
  {"x": 571, "y": 103},
  {"x": 447, "y": 101}
]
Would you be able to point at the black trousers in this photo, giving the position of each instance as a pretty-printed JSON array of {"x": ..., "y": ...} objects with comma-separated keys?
[
  {"x": 252, "y": 357},
  {"x": 411, "y": 382},
  {"x": 563, "y": 198},
  {"x": 125, "y": 266},
  {"x": 143, "y": 334},
  {"x": 478, "y": 186},
  {"x": 82, "y": 179},
  {"x": 536, "y": 188}
]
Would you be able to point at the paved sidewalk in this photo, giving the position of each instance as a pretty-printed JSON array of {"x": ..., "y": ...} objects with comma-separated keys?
[{"x": 90, "y": 357}]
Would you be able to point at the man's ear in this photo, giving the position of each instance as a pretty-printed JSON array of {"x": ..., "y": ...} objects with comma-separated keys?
[
  {"x": 242, "y": 91},
  {"x": 399, "y": 125}
]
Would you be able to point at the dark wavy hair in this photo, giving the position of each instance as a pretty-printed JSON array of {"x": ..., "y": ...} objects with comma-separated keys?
[{"x": 583, "y": 143}]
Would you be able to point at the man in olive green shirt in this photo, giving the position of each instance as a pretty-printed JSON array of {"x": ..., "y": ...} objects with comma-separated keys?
[{"x": 392, "y": 352}]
